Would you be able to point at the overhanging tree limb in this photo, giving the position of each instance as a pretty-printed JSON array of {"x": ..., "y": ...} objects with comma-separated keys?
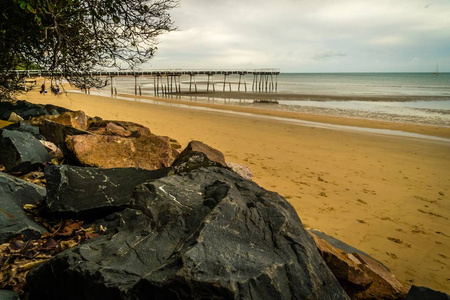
[{"x": 78, "y": 36}]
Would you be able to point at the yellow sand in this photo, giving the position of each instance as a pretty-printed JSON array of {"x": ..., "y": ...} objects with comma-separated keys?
[{"x": 388, "y": 196}]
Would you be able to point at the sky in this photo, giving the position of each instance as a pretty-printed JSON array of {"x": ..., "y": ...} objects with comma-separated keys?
[{"x": 308, "y": 36}]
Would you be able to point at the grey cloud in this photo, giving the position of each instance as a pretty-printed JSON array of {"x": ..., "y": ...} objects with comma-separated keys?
[
  {"x": 324, "y": 54},
  {"x": 287, "y": 34}
]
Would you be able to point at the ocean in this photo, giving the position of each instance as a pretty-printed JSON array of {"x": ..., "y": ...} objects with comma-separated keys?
[{"x": 418, "y": 98}]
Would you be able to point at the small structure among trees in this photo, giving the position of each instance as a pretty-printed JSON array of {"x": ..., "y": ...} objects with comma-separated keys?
[{"x": 77, "y": 36}]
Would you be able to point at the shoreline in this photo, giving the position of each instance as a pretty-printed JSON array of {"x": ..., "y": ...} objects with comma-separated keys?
[
  {"x": 432, "y": 130},
  {"x": 385, "y": 195}
]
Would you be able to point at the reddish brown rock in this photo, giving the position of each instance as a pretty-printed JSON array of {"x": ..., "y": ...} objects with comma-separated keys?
[
  {"x": 75, "y": 119},
  {"x": 149, "y": 152},
  {"x": 361, "y": 277},
  {"x": 57, "y": 133},
  {"x": 385, "y": 285},
  {"x": 118, "y": 128},
  {"x": 197, "y": 155},
  {"x": 344, "y": 267}
]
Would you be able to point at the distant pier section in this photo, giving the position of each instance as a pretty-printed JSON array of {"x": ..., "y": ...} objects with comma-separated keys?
[{"x": 169, "y": 81}]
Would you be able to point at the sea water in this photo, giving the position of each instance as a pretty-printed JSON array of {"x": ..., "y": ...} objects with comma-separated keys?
[{"x": 421, "y": 98}]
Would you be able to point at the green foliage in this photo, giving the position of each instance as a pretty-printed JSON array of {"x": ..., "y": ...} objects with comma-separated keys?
[{"x": 72, "y": 37}]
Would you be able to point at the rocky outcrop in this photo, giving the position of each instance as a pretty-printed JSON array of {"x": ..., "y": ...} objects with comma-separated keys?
[
  {"x": 57, "y": 133},
  {"x": 25, "y": 127},
  {"x": 361, "y": 276},
  {"x": 83, "y": 193},
  {"x": 21, "y": 151},
  {"x": 204, "y": 234},
  {"x": 424, "y": 293},
  {"x": 24, "y": 109},
  {"x": 197, "y": 155},
  {"x": 149, "y": 152}
]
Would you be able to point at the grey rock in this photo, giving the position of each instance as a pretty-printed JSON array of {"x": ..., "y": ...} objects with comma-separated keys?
[
  {"x": 22, "y": 191},
  {"x": 21, "y": 151},
  {"x": 8, "y": 295},
  {"x": 25, "y": 127},
  {"x": 207, "y": 234},
  {"x": 14, "y": 221},
  {"x": 84, "y": 192},
  {"x": 22, "y": 108},
  {"x": 424, "y": 293}
]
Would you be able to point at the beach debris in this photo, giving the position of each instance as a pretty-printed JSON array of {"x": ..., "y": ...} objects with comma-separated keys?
[
  {"x": 265, "y": 101},
  {"x": 361, "y": 276},
  {"x": 240, "y": 169},
  {"x": 21, "y": 151},
  {"x": 36, "y": 177},
  {"x": 18, "y": 256},
  {"x": 199, "y": 234},
  {"x": 197, "y": 155}
]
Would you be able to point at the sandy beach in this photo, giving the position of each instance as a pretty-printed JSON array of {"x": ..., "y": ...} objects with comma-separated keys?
[{"x": 384, "y": 194}]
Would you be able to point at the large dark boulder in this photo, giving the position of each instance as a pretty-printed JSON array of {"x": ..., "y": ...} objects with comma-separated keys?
[
  {"x": 22, "y": 191},
  {"x": 207, "y": 234},
  {"x": 21, "y": 151},
  {"x": 424, "y": 293},
  {"x": 84, "y": 193}
]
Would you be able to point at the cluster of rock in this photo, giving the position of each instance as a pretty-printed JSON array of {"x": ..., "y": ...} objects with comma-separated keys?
[{"x": 177, "y": 225}]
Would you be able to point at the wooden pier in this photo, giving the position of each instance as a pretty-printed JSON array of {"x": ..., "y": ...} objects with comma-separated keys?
[{"x": 169, "y": 81}]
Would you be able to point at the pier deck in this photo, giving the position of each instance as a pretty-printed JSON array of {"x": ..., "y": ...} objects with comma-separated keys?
[{"x": 169, "y": 81}]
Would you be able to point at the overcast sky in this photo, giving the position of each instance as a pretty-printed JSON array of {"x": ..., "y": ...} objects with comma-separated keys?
[{"x": 308, "y": 35}]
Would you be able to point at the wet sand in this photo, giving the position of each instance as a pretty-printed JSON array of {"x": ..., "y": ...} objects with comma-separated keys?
[{"x": 387, "y": 195}]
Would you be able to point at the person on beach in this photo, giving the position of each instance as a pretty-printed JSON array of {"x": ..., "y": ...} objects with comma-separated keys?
[{"x": 42, "y": 91}]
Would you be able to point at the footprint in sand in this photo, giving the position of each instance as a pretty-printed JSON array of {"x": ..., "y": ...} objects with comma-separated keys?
[
  {"x": 392, "y": 255},
  {"x": 361, "y": 201},
  {"x": 398, "y": 241}
]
